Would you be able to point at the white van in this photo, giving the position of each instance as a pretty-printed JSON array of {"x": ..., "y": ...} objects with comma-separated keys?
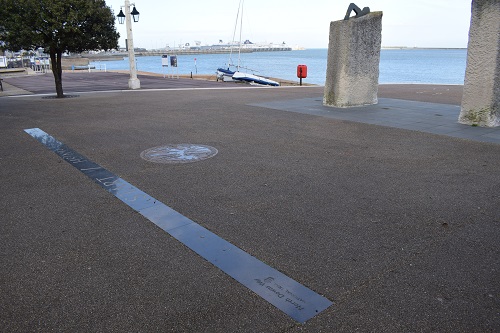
[{"x": 3, "y": 62}]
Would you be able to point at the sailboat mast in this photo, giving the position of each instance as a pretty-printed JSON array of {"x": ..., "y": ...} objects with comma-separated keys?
[
  {"x": 230, "y": 60},
  {"x": 241, "y": 28}
]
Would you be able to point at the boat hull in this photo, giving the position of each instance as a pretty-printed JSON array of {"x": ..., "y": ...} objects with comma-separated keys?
[
  {"x": 224, "y": 74},
  {"x": 250, "y": 78}
]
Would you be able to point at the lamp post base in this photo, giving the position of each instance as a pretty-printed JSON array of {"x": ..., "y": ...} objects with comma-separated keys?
[{"x": 134, "y": 84}]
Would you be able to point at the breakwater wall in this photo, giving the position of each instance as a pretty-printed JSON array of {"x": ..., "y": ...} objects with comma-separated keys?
[
  {"x": 212, "y": 51},
  {"x": 119, "y": 55}
]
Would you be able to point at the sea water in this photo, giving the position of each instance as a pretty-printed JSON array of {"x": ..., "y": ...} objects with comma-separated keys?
[{"x": 434, "y": 66}]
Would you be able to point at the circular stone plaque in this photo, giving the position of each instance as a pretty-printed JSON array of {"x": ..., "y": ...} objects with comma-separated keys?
[{"x": 178, "y": 153}]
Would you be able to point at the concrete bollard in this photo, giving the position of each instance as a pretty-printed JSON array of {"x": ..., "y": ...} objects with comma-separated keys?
[
  {"x": 481, "y": 97},
  {"x": 353, "y": 60}
]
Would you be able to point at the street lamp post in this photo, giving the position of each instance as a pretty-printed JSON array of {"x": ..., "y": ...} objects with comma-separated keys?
[{"x": 133, "y": 82}]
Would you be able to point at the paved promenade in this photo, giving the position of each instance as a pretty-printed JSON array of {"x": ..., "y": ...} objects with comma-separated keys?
[{"x": 391, "y": 212}]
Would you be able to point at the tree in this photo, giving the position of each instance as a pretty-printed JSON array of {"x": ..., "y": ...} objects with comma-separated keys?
[{"x": 58, "y": 26}]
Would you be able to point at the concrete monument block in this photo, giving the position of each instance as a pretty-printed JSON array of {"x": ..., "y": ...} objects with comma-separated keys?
[
  {"x": 353, "y": 59},
  {"x": 481, "y": 98}
]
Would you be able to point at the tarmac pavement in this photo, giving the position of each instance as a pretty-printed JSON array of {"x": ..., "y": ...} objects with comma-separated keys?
[
  {"x": 82, "y": 82},
  {"x": 396, "y": 225}
]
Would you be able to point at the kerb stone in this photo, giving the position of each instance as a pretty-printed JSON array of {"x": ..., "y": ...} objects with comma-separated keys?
[
  {"x": 481, "y": 98},
  {"x": 353, "y": 61}
]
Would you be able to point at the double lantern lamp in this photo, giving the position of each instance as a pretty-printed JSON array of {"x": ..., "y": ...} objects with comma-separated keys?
[
  {"x": 134, "y": 13},
  {"x": 133, "y": 82}
]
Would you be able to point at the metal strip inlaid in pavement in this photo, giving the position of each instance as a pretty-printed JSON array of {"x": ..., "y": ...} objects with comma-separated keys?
[{"x": 291, "y": 297}]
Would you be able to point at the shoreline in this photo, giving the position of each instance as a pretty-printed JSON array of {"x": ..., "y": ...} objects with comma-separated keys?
[
  {"x": 76, "y": 80},
  {"x": 210, "y": 77}
]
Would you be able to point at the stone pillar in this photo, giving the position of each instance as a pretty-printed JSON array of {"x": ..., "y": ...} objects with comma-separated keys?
[
  {"x": 353, "y": 61},
  {"x": 481, "y": 98}
]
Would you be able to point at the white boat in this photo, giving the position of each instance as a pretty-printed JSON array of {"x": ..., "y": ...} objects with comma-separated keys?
[
  {"x": 253, "y": 79},
  {"x": 224, "y": 74}
]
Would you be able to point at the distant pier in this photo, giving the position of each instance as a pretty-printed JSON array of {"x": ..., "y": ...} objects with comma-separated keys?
[
  {"x": 122, "y": 55},
  {"x": 212, "y": 51}
]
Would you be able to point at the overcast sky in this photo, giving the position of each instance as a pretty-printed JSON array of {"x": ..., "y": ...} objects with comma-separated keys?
[{"x": 412, "y": 23}]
